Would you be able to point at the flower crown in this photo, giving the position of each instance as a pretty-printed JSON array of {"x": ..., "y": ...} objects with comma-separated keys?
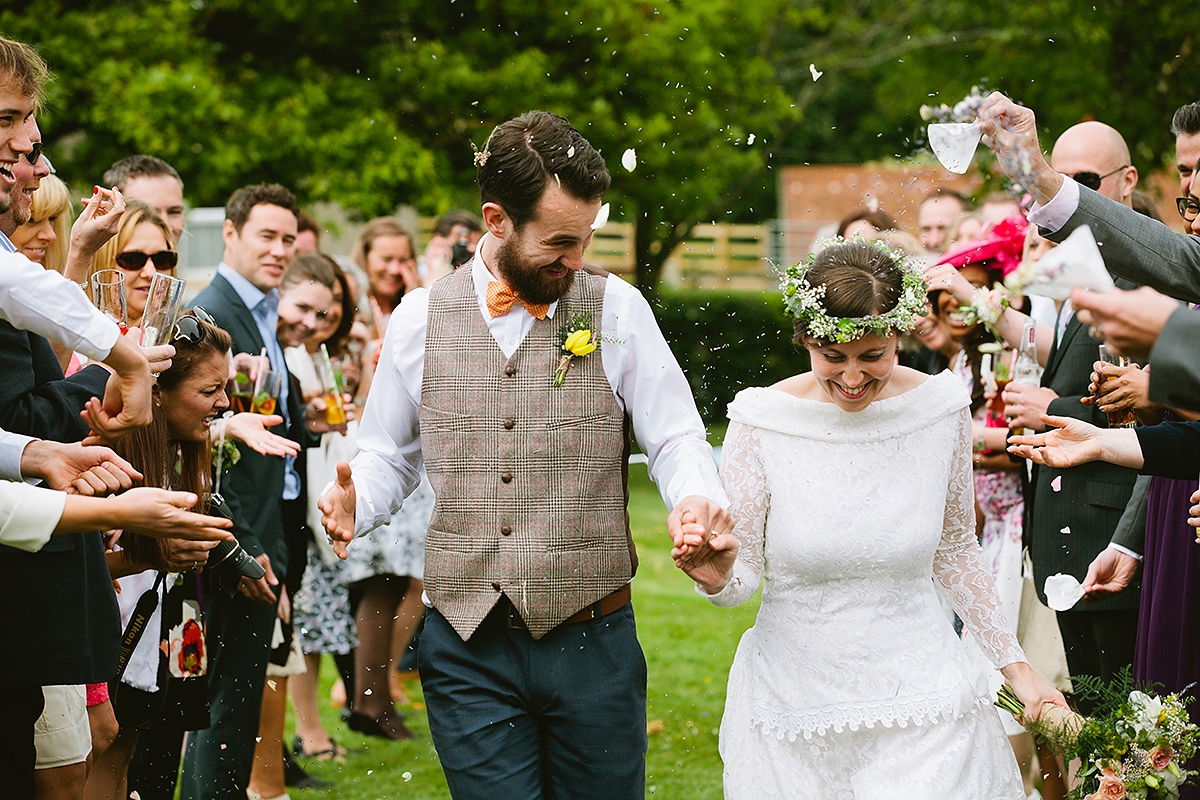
[{"x": 804, "y": 301}]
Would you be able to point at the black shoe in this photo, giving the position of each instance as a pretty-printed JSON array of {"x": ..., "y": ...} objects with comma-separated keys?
[
  {"x": 370, "y": 726},
  {"x": 295, "y": 777}
]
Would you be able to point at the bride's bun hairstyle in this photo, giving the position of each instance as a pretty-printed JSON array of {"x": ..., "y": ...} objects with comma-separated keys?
[{"x": 847, "y": 290}]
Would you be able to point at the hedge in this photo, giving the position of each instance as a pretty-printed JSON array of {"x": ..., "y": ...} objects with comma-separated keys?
[{"x": 727, "y": 341}]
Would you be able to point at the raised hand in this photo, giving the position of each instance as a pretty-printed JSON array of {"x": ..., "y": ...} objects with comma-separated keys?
[
  {"x": 253, "y": 430},
  {"x": 338, "y": 506},
  {"x": 1069, "y": 443},
  {"x": 1011, "y": 131},
  {"x": 127, "y": 396},
  {"x": 946, "y": 278}
]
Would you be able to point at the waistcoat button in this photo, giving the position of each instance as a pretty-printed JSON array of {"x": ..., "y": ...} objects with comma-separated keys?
[
  {"x": 509, "y": 424},
  {"x": 506, "y": 477},
  {"x": 510, "y": 370},
  {"x": 505, "y": 529},
  {"x": 496, "y": 585}
]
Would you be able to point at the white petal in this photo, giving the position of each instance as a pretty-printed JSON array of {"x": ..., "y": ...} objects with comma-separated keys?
[
  {"x": 812, "y": 69},
  {"x": 1056, "y": 484},
  {"x": 571, "y": 151},
  {"x": 1062, "y": 591},
  {"x": 629, "y": 160},
  {"x": 1065, "y": 530},
  {"x": 750, "y": 139},
  {"x": 601, "y": 218}
]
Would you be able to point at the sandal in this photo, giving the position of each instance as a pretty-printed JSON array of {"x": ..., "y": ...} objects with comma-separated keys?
[{"x": 333, "y": 753}]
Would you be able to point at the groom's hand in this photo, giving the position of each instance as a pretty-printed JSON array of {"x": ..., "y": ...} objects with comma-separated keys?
[
  {"x": 709, "y": 564},
  {"x": 337, "y": 509},
  {"x": 707, "y": 520}
]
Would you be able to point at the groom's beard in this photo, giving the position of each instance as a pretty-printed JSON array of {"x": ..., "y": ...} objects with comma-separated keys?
[{"x": 529, "y": 281}]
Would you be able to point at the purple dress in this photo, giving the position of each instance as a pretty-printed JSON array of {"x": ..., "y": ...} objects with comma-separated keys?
[{"x": 1168, "y": 642}]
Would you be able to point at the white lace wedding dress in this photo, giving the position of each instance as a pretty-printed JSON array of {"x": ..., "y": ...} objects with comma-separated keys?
[{"x": 852, "y": 684}]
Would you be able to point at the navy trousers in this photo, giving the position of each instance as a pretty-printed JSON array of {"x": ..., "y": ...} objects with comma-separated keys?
[{"x": 559, "y": 718}]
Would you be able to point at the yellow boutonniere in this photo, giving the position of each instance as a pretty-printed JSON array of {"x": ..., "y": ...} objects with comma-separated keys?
[{"x": 577, "y": 341}]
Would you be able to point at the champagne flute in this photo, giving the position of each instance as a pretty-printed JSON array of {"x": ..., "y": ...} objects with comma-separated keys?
[
  {"x": 163, "y": 307},
  {"x": 108, "y": 295}
]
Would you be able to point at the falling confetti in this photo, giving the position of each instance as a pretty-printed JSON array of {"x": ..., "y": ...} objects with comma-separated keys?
[
  {"x": 601, "y": 218},
  {"x": 629, "y": 160},
  {"x": 571, "y": 151},
  {"x": 1066, "y": 529},
  {"x": 1056, "y": 484},
  {"x": 407, "y": 776},
  {"x": 750, "y": 139},
  {"x": 812, "y": 69}
]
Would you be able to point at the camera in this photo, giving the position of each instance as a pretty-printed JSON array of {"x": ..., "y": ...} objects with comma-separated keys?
[{"x": 229, "y": 561}]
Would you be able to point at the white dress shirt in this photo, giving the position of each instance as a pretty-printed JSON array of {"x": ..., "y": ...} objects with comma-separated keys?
[
  {"x": 42, "y": 301},
  {"x": 1055, "y": 213},
  {"x": 28, "y": 515},
  {"x": 12, "y": 446},
  {"x": 645, "y": 378}
]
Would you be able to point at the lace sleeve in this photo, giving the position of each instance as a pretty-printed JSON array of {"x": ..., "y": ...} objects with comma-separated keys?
[
  {"x": 745, "y": 482},
  {"x": 958, "y": 565}
]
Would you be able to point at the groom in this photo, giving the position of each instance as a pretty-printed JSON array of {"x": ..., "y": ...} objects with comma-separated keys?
[{"x": 532, "y": 672}]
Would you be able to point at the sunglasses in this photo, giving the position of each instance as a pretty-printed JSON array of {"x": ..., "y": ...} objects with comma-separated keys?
[
  {"x": 133, "y": 260},
  {"x": 33, "y": 155},
  {"x": 1189, "y": 208},
  {"x": 189, "y": 329},
  {"x": 1093, "y": 180}
]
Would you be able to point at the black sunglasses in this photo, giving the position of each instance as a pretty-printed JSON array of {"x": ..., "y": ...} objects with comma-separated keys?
[
  {"x": 1189, "y": 208},
  {"x": 133, "y": 260},
  {"x": 189, "y": 329},
  {"x": 33, "y": 155},
  {"x": 1092, "y": 180}
]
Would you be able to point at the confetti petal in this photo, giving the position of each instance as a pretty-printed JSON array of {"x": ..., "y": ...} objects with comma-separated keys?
[
  {"x": 750, "y": 139},
  {"x": 1056, "y": 484},
  {"x": 1067, "y": 529},
  {"x": 1062, "y": 591},
  {"x": 570, "y": 154},
  {"x": 629, "y": 160},
  {"x": 812, "y": 69},
  {"x": 407, "y": 776},
  {"x": 601, "y": 218}
]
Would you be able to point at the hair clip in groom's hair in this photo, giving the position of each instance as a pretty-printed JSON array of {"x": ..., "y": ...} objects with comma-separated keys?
[{"x": 481, "y": 156}]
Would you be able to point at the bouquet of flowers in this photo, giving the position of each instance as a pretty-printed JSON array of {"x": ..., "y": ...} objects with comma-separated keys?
[{"x": 1134, "y": 746}]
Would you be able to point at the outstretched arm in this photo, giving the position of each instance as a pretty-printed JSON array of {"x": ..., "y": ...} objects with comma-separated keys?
[{"x": 338, "y": 506}]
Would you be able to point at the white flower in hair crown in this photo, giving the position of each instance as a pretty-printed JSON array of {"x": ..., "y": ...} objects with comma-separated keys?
[{"x": 803, "y": 301}]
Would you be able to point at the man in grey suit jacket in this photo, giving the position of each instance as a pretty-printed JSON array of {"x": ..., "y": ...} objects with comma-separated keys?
[{"x": 1072, "y": 513}]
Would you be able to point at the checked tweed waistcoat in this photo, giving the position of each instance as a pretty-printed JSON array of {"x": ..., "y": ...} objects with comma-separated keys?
[{"x": 530, "y": 479}]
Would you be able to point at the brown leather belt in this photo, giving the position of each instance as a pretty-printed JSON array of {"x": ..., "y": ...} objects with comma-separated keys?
[{"x": 601, "y": 608}]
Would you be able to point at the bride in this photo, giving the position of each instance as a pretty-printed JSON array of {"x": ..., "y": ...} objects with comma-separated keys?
[{"x": 851, "y": 494}]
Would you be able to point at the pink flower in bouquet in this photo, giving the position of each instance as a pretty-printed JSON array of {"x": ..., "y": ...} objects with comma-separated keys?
[
  {"x": 1160, "y": 758},
  {"x": 1111, "y": 787}
]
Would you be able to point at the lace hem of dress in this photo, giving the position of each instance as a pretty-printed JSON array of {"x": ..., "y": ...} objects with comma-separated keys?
[{"x": 917, "y": 709}]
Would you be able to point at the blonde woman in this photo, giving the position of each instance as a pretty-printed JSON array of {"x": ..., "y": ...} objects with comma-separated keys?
[
  {"x": 143, "y": 246},
  {"x": 44, "y": 238}
]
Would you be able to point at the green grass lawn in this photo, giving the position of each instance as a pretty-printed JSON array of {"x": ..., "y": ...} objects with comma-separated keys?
[{"x": 689, "y": 645}]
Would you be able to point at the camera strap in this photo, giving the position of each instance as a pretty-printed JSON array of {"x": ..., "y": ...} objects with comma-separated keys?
[{"x": 137, "y": 624}]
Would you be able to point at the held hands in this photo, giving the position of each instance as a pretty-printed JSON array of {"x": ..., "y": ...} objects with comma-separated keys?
[
  {"x": 337, "y": 510},
  {"x": 253, "y": 430},
  {"x": 704, "y": 545},
  {"x": 1109, "y": 573},
  {"x": 1025, "y": 404},
  {"x": 260, "y": 590}
]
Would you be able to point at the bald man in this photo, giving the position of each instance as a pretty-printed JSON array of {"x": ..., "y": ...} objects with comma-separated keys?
[{"x": 1096, "y": 156}]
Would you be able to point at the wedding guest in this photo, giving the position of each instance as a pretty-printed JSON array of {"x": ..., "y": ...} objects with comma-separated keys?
[
  {"x": 865, "y": 223},
  {"x": 455, "y": 236},
  {"x": 43, "y": 239},
  {"x": 308, "y": 233},
  {"x": 1185, "y": 127},
  {"x": 529, "y": 556},
  {"x": 934, "y": 216},
  {"x": 143, "y": 247},
  {"x": 386, "y": 253},
  {"x": 259, "y": 234},
  {"x": 155, "y": 183}
]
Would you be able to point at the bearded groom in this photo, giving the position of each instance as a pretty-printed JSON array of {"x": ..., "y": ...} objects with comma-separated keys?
[{"x": 534, "y": 680}]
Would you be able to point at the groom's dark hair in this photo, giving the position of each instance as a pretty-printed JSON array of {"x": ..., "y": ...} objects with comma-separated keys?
[
  {"x": 860, "y": 279},
  {"x": 524, "y": 154}
]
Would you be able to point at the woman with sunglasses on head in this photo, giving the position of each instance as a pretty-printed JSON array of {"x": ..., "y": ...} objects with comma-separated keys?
[
  {"x": 142, "y": 247},
  {"x": 162, "y": 682}
]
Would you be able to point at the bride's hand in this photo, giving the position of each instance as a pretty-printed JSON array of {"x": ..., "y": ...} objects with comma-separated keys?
[
  {"x": 710, "y": 563},
  {"x": 1031, "y": 690}
]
